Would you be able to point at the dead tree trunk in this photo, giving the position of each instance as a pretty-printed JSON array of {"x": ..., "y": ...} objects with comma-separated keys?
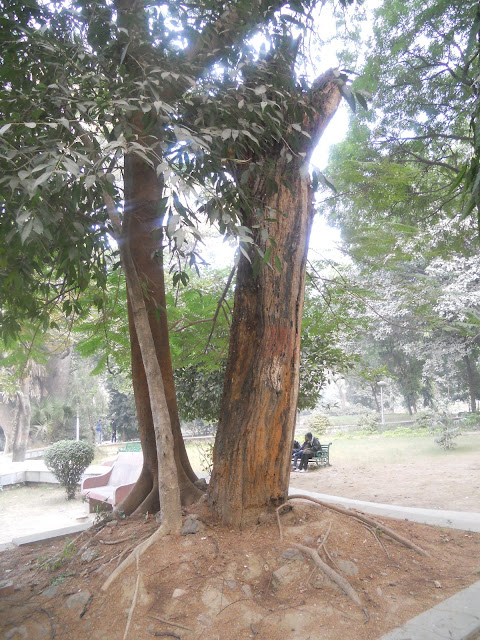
[{"x": 257, "y": 417}]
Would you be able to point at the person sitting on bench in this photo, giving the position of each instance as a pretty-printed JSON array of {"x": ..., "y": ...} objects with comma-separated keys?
[
  {"x": 296, "y": 453},
  {"x": 307, "y": 451}
]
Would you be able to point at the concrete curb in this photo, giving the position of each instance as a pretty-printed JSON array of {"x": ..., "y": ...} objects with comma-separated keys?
[
  {"x": 457, "y": 618},
  {"x": 464, "y": 520},
  {"x": 47, "y": 535}
]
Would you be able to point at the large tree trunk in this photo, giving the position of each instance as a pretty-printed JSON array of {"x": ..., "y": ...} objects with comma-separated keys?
[
  {"x": 257, "y": 416},
  {"x": 22, "y": 427}
]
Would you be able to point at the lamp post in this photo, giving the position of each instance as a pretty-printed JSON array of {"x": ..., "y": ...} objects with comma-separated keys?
[{"x": 382, "y": 384}]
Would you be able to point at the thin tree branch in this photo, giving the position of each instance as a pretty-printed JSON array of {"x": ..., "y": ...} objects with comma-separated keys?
[{"x": 219, "y": 305}]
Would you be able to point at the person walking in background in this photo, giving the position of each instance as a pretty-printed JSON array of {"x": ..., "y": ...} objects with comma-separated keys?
[{"x": 114, "y": 431}]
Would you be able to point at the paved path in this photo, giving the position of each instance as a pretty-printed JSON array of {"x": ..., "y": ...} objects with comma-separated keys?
[{"x": 464, "y": 520}]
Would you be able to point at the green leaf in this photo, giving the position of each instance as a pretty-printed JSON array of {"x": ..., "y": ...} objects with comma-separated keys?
[
  {"x": 349, "y": 97},
  {"x": 41, "y": 179},
  {"x": 244, "y": 253}
]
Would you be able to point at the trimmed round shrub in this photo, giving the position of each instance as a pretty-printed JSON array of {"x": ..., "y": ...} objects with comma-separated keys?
[
  {"x": 67, "y": 460},
  {"x": 369, "y": 423},
  {"x": 424, "y": 419},
  {"x": 318, "y": 423}
]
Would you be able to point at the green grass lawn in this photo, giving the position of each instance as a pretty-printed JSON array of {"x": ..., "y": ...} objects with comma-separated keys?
[
  {"x": 349, "y": 420},
  {"x": 365, "y": 450},
  {"x": 377, "y": 449},
  {"x": 380, "y": 449}
]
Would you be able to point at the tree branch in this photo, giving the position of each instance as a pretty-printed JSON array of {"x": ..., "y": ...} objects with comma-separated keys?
[
  {"x": 219, "y": 305},
  {"x": 433, "y": 163}
]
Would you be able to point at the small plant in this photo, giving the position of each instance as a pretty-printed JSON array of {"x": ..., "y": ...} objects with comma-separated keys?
[
  {"x": 369, "y": 423},
  {"x": 445, "y": 430},
  {"x": 318, "y": 423},
  {"x": 205, "y": 453},
  {"x": 62, "y": 577},
  {"x": 67, "y": 460},
  {"x": 471, "y": 420},
  {"x": 424, "y": 419},
  {"x": 52, "y": 563},
  {"x": 103, "y": 516}
]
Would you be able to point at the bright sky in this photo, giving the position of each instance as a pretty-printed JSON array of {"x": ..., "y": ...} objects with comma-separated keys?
[{"x": 324, "y": 240}]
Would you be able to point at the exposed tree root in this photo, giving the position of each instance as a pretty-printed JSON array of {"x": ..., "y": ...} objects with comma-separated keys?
[
  {"x": 331, "y": 573},
  {"x": 134, "y": 602},
  {"x": 362, "y": 518},
  {"x": 323, "y": 545},
  {"x": 114, "y": 541},
  {"x": 135, "y": 555}
]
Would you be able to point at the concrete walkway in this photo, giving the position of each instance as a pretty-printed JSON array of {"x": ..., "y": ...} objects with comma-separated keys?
[{"x": 464, "y": 520}]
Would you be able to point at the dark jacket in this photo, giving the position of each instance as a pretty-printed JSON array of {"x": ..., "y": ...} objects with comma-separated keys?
[{"x": 313, "y": 444}]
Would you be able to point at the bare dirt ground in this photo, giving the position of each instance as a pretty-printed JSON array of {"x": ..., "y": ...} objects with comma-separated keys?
[
  {"x": 219, "y": 584},
  {"x": 450, "y": 483}
]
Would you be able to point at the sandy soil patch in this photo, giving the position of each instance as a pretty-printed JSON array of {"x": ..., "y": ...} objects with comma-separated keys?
[{"x": 448, "y": 482}]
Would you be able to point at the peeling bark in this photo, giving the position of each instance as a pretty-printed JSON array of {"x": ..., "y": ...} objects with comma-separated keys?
[{"x": 258, "y": 411}]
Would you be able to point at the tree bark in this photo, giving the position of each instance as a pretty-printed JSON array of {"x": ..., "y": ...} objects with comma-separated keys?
[
  {"x": 257, "y": 418},
  {"x": 142, "y": 195},
  {"x": 22, "y": 428},
  {"x": 144, "y": 240},
  {"x": 168, "y": 488},
  {"x": 143, "y": 235},
  {"x": 471, "y": 383}
]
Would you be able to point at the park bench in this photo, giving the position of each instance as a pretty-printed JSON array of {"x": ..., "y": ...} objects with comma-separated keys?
[
  {"x": 109, "y": 489},
  {"x": 322, "y": 457},
  {"x": 130, "y": 447}
]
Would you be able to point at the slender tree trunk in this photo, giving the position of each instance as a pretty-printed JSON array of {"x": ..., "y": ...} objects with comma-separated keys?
[
  {"x": 7, "y": 421},
  {"x": 258, "y": 411},
  {"x": 22, "y": 428},
  {"x": 340, "y": 384},
  {"x": 144, "y": 236},
  {"x": 471, "y": 383},
  {"x": 375, "y": 397},
  {"x": 168, "y": 489}
]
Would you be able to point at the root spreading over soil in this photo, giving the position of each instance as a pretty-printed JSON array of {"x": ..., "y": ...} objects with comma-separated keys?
[{"x": 219, "y": 584}]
